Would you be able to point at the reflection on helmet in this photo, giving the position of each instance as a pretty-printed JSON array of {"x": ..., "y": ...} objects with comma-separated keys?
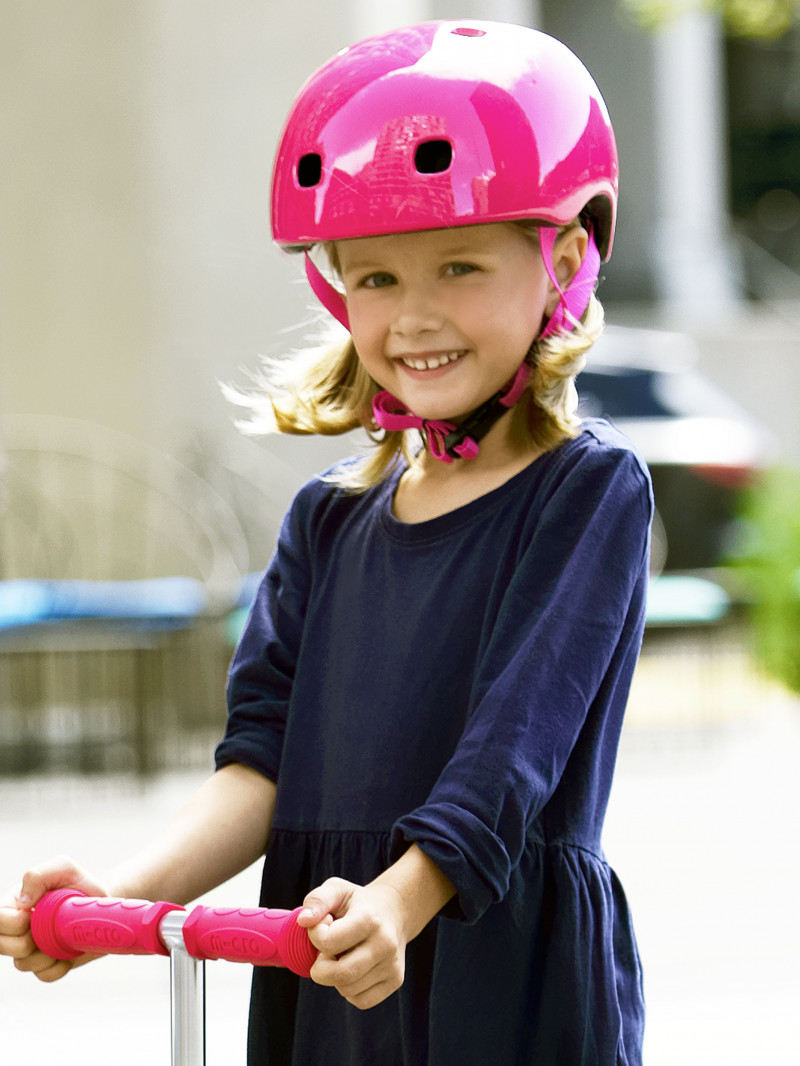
[{"x": 445, "y": 124}]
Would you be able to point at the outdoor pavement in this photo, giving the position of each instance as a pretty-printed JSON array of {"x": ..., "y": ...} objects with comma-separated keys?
[{"x": 702, "y": 829}]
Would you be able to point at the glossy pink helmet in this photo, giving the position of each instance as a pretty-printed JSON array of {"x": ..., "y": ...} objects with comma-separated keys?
[{"x": 445, "y": 124}]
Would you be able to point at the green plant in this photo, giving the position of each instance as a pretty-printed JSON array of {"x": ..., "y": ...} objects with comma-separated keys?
[
  {"x": 742, "y": 18},
  {"x": 767, "y": 563}
]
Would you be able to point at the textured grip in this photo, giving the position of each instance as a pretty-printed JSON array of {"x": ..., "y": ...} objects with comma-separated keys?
[
  {"x": 259, "y": 935},
  {"x": 66, "y": 924}
]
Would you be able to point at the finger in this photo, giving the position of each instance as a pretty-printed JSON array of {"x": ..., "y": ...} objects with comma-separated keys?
[
  {"x": 373, "y": 995},
  {"x": 60, "y": 872},
  {"x": 8, "y": 900},
  {"x": 43, "y": 967},
  {"x": 18, "y": 947},
  {"x": 355, "y": 970},
  {"x": 331, "y": 898},
  {"x": 38, "y": 964},
  {"x": 319, "y": 936},
  {"x": 13, "y": 922},
  {"x": 355, "y": 980},
  {"x": 325, "y": 970},
  {"x": 358, "y": 926}
]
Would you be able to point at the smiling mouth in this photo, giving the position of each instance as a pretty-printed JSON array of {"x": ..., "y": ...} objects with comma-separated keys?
[{"x": 431, "y": 362}]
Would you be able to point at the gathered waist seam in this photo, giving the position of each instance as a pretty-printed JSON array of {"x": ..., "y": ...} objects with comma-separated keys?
[{"x": 385, "y": 834}]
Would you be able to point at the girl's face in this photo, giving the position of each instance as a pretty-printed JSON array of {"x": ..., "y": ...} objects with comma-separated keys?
[{"x": 443, "y": 318}]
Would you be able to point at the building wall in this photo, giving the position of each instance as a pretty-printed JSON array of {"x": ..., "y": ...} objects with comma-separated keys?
[
  {"x": 620, "y": 56},
  {"x": 135, "y": 266},
  {"x": 75, "y": 213}
]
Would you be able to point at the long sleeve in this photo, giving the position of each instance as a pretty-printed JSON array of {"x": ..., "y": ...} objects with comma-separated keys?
[{"x": 262, "y": 672}]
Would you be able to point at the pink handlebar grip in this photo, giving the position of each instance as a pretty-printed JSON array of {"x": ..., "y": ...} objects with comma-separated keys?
[
  {"x": 66, "y": 924},
  {"x": 259, "y": 935}
]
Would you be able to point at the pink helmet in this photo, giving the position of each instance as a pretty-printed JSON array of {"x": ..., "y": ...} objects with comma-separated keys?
[{"x": 445, "y": 124}]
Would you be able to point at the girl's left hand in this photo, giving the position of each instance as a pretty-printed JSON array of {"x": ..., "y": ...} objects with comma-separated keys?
[{"x": 360, "y": 934}]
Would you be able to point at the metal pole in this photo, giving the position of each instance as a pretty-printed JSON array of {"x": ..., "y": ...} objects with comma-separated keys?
[{"x": 187, "y": 994}]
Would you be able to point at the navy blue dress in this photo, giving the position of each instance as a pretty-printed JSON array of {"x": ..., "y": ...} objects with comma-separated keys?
[{"x": 459, "y": 683}]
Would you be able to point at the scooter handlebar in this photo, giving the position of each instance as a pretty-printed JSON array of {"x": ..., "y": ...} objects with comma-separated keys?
[
  {"x": 66, "y": 924},
  {"x": 259, "y": 935}
]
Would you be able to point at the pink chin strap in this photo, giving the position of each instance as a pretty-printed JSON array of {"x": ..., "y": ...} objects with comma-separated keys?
[
  {"x": 447, "y": 441},
  {"x": 330, "y": 297}
]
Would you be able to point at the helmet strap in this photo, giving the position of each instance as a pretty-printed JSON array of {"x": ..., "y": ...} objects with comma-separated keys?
[
  {"x": 330, "y": 297},
  {"x": 445, "y": 440},
  {"x": 573, "y": 301}
]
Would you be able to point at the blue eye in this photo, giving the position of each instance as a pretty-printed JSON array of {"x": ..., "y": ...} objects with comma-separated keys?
[{"x": 379, "y": 280}]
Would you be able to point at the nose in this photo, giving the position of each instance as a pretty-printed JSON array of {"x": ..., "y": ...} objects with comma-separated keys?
[{"x": 416, "y": 312}]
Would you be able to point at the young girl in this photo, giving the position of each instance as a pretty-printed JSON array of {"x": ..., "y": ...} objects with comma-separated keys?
[{"x": 425, "y": 705}]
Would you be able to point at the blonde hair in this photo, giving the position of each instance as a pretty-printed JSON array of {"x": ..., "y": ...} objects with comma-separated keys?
[{"x": 326, "y": 390}]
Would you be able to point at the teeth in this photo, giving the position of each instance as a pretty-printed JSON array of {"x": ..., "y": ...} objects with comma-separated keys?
[{"x": 433, "y": 362}]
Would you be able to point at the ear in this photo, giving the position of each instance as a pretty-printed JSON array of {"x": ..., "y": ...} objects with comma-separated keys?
[{"x": 568, "y": 253}]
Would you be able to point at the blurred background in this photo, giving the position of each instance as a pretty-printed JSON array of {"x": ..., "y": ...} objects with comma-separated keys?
[{"x": 137, "y": 274}]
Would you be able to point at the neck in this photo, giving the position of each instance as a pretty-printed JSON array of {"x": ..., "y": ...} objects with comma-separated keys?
[{"x": 430, "y": 488}]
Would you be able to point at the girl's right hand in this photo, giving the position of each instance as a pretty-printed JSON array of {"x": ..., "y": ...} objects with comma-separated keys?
[{"x": 15, "y": 916}]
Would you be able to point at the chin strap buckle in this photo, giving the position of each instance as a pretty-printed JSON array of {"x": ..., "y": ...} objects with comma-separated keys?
[{"x": 445, "y": 440}]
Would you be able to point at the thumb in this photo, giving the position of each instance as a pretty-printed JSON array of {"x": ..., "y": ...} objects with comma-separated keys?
[
  {"x": 57, "y": 873},
  {"x": 326, "y": 902}
]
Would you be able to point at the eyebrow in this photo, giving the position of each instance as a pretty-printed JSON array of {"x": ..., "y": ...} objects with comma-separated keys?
[
  {"x": 451, "y": 252},
  {"x": 462, "y": 249},
  {"x": 360, "y": 264}
]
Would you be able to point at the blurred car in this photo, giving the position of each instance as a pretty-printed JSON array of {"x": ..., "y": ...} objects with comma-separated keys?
[{"x": 701, "y": 447}]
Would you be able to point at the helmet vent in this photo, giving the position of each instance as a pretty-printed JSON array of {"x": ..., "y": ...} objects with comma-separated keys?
[
  {"x": 469, "y": 31},
  {"x": 309, "y": 170},
  {"x": 433, "y": 157}
]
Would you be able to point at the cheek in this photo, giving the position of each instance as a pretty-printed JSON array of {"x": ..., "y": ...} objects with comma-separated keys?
[
  {"x": 536, "y": 306},
  {"x": 517, "y": 318},
  {"x": 363, "y": 328},
  {"x": 369, "y": 349}
]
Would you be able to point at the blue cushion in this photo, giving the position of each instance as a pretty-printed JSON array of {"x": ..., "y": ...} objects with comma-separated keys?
[
  {"x": 23, "y": 603},
  {"x": 676, "y": 599},
  {"x": 166, "y": 602}
]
